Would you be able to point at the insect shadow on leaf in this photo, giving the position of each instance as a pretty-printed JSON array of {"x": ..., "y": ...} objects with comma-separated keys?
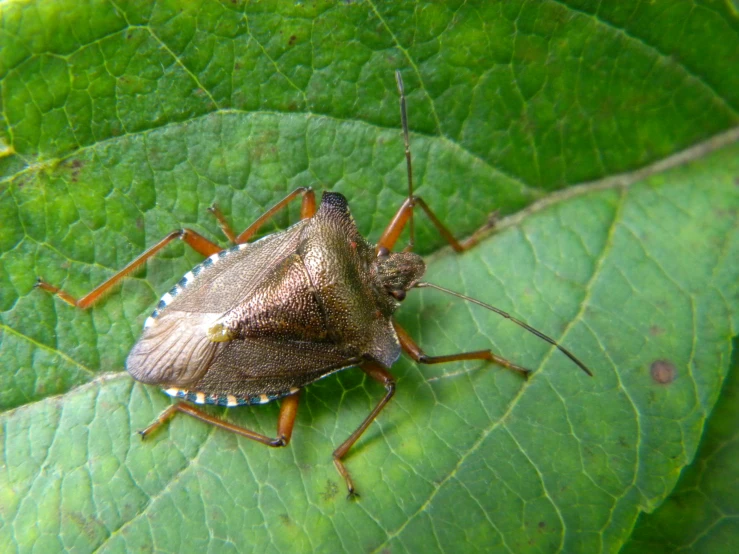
[{"x": 259, "y": 321}]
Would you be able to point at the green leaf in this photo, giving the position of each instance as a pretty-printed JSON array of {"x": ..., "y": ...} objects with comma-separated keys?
[
  {"x": 465, "y": 452},
  {"x": 121, "y": 122},
  {"x": 700, "y": 515}
]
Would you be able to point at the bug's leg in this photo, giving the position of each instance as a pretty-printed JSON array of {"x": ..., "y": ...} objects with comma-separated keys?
[
  {"x": 405, "y": 213},
  {"x": 415, "y": 352},
  {"x": 223, "y": 223},
  {"x": 307, "y": 209},
  {"x": 402, "y": 217},
  {"x": 285, "y": 421},
  {"x": 380, "y": 374},
  {"x": 198, "y": 243}
]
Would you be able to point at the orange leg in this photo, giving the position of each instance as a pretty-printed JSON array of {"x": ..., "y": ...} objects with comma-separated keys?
[
  {"x": 403, "y": 217},
  {"x": 307, "y": 209},
  {"x": 198, "y": 243},
  {"x": 285, "y": 421},
  {"x": 380, "y": 374},
  {"x": 223, "y": 223},
  {"x": 415, "y": 352}
]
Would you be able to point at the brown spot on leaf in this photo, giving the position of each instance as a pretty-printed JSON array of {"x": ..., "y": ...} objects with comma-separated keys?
[
  {"x": 76, "y": 165},
  {"x": 89, "y": 525},
  {"x": 656, "y": 330},
  {"x": 292, "y": 40},
  {"x": 330, "y": 491},
  {"x": 663, "y": 372},
  {"x": 724, "y": 213},
  {"x": 542, "y": 524}
]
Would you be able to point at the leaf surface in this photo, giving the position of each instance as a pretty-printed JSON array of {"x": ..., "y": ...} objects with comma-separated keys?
[
  {"x": 700, "y": 515},
  {"x": 465, "y": 452}
]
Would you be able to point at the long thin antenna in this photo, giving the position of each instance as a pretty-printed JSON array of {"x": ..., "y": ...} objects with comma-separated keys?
[
  {"x": 506, "y": 315},
  {"x": 404, "y": 121}
]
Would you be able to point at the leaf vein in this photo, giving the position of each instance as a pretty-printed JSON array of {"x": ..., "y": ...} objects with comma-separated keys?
[
  {"x": 48, "y": 348},
  {"x": 190, "y": 462}
]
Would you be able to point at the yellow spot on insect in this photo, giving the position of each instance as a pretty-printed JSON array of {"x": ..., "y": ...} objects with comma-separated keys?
[
  {"x": 231, "y": 400},
  {"x": 263, "y": 398},
  {"x": 200, "y": 398},
  {"x": 220, "y": 333}
]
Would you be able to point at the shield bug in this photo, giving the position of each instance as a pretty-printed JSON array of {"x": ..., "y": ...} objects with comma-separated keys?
[{"x": 259, "y": 321}]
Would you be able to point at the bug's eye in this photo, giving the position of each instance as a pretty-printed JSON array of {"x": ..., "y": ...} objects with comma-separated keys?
[
  {"x": 383, "y": 252},
  {"x": 399, "y": 295}
]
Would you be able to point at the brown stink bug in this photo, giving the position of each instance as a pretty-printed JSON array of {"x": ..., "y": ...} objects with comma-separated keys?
[{"x": 260, "y": 321}]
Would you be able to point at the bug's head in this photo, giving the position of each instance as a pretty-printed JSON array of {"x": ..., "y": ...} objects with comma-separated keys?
[{"x": 399, "y": 271}]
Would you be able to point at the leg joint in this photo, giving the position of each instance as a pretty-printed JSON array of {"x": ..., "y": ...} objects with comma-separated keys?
[{"x": 278, "y": 442}]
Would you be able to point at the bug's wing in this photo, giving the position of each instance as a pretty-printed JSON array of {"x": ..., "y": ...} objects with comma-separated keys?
[
  {"x": 256, "y": 366},
  {"x": 174, "y": 347},
  {"x": 225, "y": 279},
  {"x": 173, "y": 350}
]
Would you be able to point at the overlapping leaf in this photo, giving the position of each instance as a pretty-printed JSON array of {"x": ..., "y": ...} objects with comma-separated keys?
[{"x": 700, "y": 514}]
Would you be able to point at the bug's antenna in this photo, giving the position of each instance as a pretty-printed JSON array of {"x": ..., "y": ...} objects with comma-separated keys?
[
  {"x": 506, "y": 315},
  {"x": 404, "y": 121}
]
